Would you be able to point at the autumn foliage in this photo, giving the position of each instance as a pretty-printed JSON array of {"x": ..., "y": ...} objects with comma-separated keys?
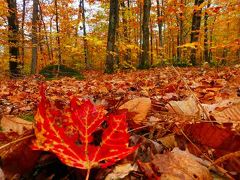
[
  {"x": 81, "y": 135},
  {"x": 184, "y": 123}
]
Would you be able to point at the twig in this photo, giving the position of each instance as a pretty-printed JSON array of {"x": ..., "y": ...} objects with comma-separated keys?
[
  {"x": 138, "y": 128},
  {"x": 16, "y": 141}
]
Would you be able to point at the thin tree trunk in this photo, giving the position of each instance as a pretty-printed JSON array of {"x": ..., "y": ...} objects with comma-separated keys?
[
  {"x": 196, "y": 22},
  {"x": 34, "y": 37},
  {"x": 160, "y": 23},
  {"x": 51, "y": 37},
  {"x": 157, "y": 43},
  {"x": 211, "y": 39},
  {"x": 127, "y": 55},
  {"x": 173, "y": 47},
  {"x": 144, "y": 61},
  {"x": 180, "y": 34},
  {"x": 116, "y": 50},
  {"x": 151, "y": 43},
  {"x": 206, "y": 46},
  {"x": 85, "y": 40},
  {"x": 22, "y": 32},
  {"x": 140, "y": 31},
  {"x": 78, "y": 22},
  {"x": 40, "y": 40},
  {"x": 13, "y": 30},
  {"x": 112, "y": 28},
  {"x": 128, "y": 35},
  {"x": 58, "y": 34},
  {"x": 238, "y": 50},
  {"x": 45, "y": 33},
  {"x": 178, "y": 48}
]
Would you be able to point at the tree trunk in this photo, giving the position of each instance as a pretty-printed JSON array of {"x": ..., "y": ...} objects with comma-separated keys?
[
  {"x": 140, "y": 30},
  {"x": 78, "y": 22},
  {"x": 196, "y": 22},
  {"x": 45, "y": 33},
  {"x": 34, "y": 37},
  {"x": 112, "y": 28},
  {"x": 22, "y": 31},
  {"x": 160, "y": 23},
  {"x": 85, "y": 34},
  {"x": 144, "y": 61},
  {"x": 206, "y": 46},
  {"x": 180, "y": 33},
  {"x": 211, "y": 38},
  {"x": 13, "y": 29},
  {"x": 58, "y": 38},
  {"x": 51, "y": 37},
  {"x": 151, "y": 42},
  {"x": 127, "y": 56}
]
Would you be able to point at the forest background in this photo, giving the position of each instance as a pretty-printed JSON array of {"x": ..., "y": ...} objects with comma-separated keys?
[{"x": 117, "y": 34}]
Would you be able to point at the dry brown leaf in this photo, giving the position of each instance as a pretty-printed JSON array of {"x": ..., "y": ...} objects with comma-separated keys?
[
  {"x": 120, "y": 171},
  {"x": 120, "y": 91},
  {"x": 2, "y": 177},
  {"x": 12, "y": 123},
  {"x": 188, "y": 107},
  {"x": 230, "y": 114},
  {"x": 168, "y": 141},
  {"x": 140, "y": 106},
  {"x": 180, "y": 165}
]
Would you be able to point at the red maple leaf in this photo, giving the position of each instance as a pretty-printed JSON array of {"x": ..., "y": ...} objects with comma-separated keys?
[{"x": 69, "y": 133}]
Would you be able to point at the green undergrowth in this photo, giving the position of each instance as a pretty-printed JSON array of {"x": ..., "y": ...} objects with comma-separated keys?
[{"x": 51, "y": 72}]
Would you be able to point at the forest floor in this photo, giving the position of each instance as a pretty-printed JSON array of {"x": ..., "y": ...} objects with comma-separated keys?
[{"x": 186, "y": 120}]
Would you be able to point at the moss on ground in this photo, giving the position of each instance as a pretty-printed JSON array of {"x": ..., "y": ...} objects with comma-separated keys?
[{"x": 51, "y": 72}]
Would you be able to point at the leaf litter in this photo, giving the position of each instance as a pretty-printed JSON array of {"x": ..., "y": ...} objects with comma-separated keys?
[{"x": 173, "y": 114}]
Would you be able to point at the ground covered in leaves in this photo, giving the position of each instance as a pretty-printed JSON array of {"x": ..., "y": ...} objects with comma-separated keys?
[{"x": 186, "y": 122}]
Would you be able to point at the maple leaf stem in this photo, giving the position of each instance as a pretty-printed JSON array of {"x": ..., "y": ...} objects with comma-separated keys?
[{"x": 88, "y": 174}]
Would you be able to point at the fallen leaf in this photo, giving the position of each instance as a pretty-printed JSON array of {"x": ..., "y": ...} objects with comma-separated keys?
[
  {"x": 120, "y": 91},
  {"x": 213, "y": 136},
  {"x": 188, "y": 107},
  {"x": 140, "y": 106},
  {"x": 120, "y": 171},
  {"x": 230, "y": 114},
  {"x": 147, "y": 148},
  {"x": 177, "y": 165},
  {"x": 77, "y": 134},
  {"x": 146, "y": 168},
  {"x": 2, "y": 176},
  {"x": 16, "y": 124},
  {"x": 168, "y": 141}
]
